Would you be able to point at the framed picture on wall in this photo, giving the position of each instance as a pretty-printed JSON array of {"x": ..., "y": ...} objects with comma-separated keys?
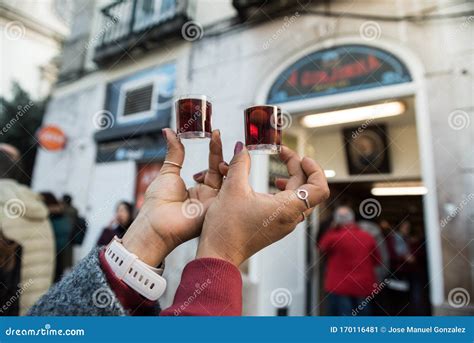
[{"x": 367, "y": 150}]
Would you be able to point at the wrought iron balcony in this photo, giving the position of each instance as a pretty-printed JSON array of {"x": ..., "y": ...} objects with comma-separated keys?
[{"x": 130, "y": 24}]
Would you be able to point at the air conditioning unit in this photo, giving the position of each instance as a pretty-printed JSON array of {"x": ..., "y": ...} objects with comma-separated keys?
[{"x": 138, "y": 100}]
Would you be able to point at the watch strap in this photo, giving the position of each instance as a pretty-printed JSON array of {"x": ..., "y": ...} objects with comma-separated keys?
[{"x": 142, "y": 278}]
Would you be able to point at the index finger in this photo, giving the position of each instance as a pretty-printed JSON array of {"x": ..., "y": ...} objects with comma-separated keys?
[
  {"x": 213, "y": 177},
  {"x": 293, "y": 165},
  {"x": 316, "y": 187}
]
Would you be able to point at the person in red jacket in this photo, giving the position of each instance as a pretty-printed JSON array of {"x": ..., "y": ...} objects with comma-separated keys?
[{"x": 352, "y": 256}]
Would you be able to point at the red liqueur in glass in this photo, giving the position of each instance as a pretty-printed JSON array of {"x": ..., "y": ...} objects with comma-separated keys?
[
  {"x": 193, "y": 116},
  {"x": 263, "y": 129}
]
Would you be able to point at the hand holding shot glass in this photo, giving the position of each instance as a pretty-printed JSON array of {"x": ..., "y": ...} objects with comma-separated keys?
[{"x": 262, "y": 123}]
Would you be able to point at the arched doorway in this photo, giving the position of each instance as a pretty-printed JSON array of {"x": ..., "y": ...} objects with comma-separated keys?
[{"x": 349, "y": 77}]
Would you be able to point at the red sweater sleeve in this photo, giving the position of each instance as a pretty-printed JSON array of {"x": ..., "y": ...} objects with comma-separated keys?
[{"x": 209, "y": 287}]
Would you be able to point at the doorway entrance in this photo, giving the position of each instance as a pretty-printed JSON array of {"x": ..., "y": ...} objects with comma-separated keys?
[
  {"x": 403, "y": 280},
  {"x": 373, "y": 167}
]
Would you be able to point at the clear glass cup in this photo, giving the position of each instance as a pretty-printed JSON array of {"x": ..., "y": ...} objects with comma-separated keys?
[
  {"x": 263, "y": 129},
  {"x": 193, "y": 116}
]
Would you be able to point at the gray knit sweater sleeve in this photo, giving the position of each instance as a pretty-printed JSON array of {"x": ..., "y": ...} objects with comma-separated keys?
[{"x": 82, "y": 292}]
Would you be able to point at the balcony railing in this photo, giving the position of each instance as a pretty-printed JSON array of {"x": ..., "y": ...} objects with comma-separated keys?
[{"x": 131, "y": 22}]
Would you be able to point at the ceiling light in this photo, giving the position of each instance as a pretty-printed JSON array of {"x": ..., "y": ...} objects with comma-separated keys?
[
  {"x": 329, "y": 173},
  {"x": 371, "y": 112},
  {"x": 402, "y": 188}
]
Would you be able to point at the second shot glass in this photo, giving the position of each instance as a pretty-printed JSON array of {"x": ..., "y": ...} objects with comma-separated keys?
[
  {"x": 263, "y": 129},
  {"x": 193, "y": 116}
]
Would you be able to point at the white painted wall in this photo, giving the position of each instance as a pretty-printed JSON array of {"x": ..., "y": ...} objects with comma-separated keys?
[{"x": 110, "y": 183}]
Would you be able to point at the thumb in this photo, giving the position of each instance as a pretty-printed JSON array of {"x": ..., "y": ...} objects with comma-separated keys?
[
  {"x": 239, "y": 168},
  {"x": 175, "y": 154}
]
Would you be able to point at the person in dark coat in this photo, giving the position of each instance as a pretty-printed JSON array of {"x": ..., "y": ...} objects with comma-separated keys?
[{"x": 119, "y": 225}]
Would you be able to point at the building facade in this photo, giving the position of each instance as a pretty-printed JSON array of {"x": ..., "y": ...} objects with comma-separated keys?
[
  {"x": 31, "y": 38},
  {"x": 127, "y": 61}
]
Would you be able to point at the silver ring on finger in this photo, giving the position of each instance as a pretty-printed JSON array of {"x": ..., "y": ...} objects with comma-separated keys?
[
  {"x": 303, "y": 194},
  {"x": 173, "y": 164}
]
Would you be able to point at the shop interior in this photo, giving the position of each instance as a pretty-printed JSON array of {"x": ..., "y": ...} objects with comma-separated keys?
[{"x": 370, "y": 153}]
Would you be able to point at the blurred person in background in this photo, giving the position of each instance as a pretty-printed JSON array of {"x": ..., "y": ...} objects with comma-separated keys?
[
  {"x": 418, "y": 276},
  {"x": 62, "y": 228},
  {"x": 409, "y": 268},
  {"x": 383, "y": 269},
  {"x": 398, "y": 286},
  {"x": 352, "y": 257},
  {"x": 79, "y": 224},
  {"x": 24, "y": 219},
  {"x": 69, "y": 210},
  {"x": 120, "y": 223}
]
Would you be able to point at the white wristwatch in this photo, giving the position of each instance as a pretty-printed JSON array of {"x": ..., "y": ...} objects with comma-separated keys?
[{"x": 141, "y": 277}]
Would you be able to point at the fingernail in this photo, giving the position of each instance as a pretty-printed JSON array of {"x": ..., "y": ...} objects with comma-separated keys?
[
  {"x": 219, "y": 132},
  {"x": 163, "y": 132},
  {"x": 198, "y": 175},
  {"x": 238, "y": 147}
]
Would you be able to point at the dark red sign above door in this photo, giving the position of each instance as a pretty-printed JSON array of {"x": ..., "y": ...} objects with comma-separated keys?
[{"x": 344, "y": 68}]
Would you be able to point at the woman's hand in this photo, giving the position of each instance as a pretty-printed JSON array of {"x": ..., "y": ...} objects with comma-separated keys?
[
  {"x": 172, "y": 214},
  {"x": 240, "y": 222}
]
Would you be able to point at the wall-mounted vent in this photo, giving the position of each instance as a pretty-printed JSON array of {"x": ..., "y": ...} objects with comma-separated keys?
[{"x": 138, "y": 100}]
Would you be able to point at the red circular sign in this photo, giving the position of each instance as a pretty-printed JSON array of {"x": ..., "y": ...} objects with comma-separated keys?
[{"x": 52, "y": 138}]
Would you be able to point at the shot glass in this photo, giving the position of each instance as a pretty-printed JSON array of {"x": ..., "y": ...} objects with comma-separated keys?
[
  {"x": 193, "y": 116},
  {"x": 263, "y": 129}
]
